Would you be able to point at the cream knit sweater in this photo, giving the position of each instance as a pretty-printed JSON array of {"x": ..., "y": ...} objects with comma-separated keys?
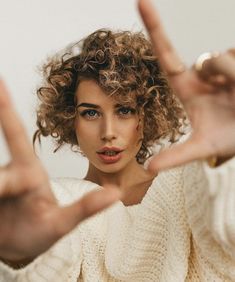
[{"x": 183, "y": 230}]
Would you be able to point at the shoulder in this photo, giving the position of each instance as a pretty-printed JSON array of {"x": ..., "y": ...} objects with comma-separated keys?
[{"x": 68, "y": 190}]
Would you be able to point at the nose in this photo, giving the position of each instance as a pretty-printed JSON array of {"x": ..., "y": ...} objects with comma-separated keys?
[{"x": 108, "y": 130}]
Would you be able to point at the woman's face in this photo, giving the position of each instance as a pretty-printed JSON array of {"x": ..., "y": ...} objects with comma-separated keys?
[{"x": 108, "y": 133}]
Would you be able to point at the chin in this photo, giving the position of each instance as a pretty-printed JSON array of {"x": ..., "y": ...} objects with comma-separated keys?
[{"x": 110, "y": 168}]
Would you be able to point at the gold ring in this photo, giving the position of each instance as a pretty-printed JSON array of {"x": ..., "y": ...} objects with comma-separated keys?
[{"x": 198, "y": 66}]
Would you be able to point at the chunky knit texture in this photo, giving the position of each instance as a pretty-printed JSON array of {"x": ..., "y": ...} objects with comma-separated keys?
[{"x": 183, "y": 230}]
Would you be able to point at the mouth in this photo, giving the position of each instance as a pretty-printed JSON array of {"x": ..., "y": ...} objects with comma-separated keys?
[{"x": 110, "y": 155}]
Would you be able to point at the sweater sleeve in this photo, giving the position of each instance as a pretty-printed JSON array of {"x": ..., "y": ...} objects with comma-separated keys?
[
  {"x": 210, "y": 205},
  {"x": 61, "y": 262}
]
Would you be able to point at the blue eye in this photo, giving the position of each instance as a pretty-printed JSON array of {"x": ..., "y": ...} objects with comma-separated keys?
[
  {"x": 89, "y": 114},
  {"x": 126, "y": 111}
]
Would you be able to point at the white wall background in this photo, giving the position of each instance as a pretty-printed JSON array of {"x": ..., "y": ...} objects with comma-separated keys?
[{"x": 31, "y": 30}]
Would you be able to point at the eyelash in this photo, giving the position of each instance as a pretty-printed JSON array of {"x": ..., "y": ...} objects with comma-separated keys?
[
  {"x": 86, "y": 113},
  {"x": 128, "y": 111}
]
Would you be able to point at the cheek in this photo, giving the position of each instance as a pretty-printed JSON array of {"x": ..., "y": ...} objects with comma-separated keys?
[
  {"x": 134, "y": 131},
  {"x": 85, "y": 132},
  {"x": 140, "y": 128}
]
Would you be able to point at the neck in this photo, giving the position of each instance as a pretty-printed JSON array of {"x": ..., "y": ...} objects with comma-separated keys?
[
  {"x": 119, "y": 178},
  {"x": 132, "y": 180}
]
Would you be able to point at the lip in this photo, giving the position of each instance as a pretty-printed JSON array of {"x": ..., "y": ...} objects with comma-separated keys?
[
  {"x": 104, "y": 149},
  {"x": 109, "y": 159}
]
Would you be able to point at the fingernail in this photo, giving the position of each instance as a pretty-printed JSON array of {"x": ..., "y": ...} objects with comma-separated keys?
[{"x": 174, "y": 64}]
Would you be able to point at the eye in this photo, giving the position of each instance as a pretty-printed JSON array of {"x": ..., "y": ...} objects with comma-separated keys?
[
  {"x": 90, "y": 114},
  {"x": 126, "y": 111}
]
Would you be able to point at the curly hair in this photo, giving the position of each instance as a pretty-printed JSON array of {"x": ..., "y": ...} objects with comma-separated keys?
[{"x": 122, "y": 63}]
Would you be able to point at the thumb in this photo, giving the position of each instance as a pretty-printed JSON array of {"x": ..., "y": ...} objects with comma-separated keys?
[
  {"x": 177, "y": 155},
  {"x": 68, "y": 217}
]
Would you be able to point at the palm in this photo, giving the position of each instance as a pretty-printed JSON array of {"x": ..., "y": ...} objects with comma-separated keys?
[
  {"x": 210, "y": 107},
  {"x": 211, "y": 111},
  {"x": 30, "y": 218},
  {"x": 29, "y": 211}
]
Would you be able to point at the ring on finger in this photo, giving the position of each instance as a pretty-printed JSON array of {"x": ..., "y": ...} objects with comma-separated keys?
[{"x": 200, "y": 62}]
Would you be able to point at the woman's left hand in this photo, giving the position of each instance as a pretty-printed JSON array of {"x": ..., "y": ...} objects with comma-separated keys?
[{"x": 208, "y": 98}]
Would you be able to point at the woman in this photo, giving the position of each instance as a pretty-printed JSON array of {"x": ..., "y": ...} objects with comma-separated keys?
[{"x": 175, "y": 226}]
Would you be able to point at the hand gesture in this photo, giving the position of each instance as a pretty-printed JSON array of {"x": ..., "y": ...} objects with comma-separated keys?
[
  {"x": 208, "y": 98},
  {"x": 30, "y": 218}
]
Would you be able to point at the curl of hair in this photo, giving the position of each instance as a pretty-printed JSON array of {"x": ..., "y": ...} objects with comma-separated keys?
[{"x": 124, "y": 66}]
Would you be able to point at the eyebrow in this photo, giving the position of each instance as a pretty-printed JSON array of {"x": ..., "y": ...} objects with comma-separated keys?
[
  {"x": 88, "y": 105},
  {"x": 94, "y": 106}
]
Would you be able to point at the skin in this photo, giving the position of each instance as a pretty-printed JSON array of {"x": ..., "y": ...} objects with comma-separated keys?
[
  {"x": 27, "y": 205},
  {"x": 107, "y": 123},
  {"x": 208, "y": 100}
]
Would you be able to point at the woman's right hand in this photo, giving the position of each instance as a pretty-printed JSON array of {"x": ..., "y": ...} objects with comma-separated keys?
[{"x": 30, "y": 219}]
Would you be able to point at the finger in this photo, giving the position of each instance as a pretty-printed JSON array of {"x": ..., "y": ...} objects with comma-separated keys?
[
  {"x": 14, "y": 132},
  {"x": 89, "y": 205},
  {"x": 231, "y": 51},
  {"x": 7, "y": 190},
  {"x": 178, "y": 155},
  {"x": 3, "y": 181},
  {"x": 220, "y": 66},
  {"x": 168, "y": 57}
]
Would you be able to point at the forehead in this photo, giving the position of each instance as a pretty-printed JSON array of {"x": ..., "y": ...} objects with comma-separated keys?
[{"x": 90, "y": 92}]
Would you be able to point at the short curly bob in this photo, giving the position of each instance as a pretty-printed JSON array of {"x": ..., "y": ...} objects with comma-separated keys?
[{"x": 122, "y": 63}]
